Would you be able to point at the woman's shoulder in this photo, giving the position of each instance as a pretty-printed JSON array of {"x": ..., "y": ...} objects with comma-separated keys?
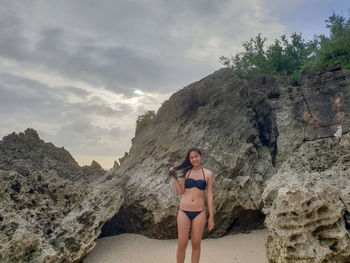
[
  {"x": 207, "y": 172},
  {"x": 187, "y": 173}
]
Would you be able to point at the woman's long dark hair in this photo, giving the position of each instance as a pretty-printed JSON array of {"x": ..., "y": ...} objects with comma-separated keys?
[{"x": 186, "y": 165}]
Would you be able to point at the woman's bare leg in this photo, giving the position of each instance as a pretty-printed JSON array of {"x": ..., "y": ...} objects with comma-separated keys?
[
  {"x": 198, "y": 224},
  {"x": 183, "y": 230}
]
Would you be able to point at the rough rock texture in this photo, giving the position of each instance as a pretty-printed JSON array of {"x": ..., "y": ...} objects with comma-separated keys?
[
  {"x": 307, "y": 204},
  {"x": 246, "y": 129},
  {"x": 249, "y": 131},
  {"x": 93, "y": 171},
  {"x": 235, "y": 126},
  {"x": 52, "y": 210},
  {"x": 307, "y": 200}
]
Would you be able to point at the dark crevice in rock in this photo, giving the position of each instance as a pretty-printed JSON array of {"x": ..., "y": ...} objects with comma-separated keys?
[
  {"x": 137, "y": 219},
  {"x": 346, "y": 216},
  {"x": 192, "y": 107},
  {"x": 16, "y": 187},
  {"x": 127, "y": 220},
  {"x": 257, "y": 95},
  {"x": 245, "y": 220},
  {"x": 274, "y": 95},
  {"x": 266, "y": 126}
]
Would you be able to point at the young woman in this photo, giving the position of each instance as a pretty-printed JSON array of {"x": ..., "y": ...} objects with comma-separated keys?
[{"x": 192, "y": 207}]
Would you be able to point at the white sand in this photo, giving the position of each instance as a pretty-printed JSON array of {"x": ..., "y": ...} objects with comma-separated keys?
[{"x": 133, "y": 248}]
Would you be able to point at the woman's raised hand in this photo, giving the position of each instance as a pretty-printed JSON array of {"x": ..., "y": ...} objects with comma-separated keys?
[{"x": 172, "y": 171}]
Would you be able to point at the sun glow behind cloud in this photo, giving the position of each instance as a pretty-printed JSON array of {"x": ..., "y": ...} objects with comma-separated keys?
[{"x": 81, "y": 80}]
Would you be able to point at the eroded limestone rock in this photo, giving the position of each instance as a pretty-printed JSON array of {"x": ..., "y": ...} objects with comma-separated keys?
[
  {"x": 246, "y": 129},
  {"x": 307, "y": 204},
  {"x": 232, "y": 122},
  {"x": 50, "y": 212}
]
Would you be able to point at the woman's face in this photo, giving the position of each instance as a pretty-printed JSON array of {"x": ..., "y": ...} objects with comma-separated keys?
[{"x": 195, "y": 158}]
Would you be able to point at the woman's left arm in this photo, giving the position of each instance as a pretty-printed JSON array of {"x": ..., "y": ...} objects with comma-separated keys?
[{"x": 210, "y": 201}]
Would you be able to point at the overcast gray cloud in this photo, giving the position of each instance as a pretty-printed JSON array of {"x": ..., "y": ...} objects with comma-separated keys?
[
  {"x": 149, "y": 45},
  {"x": 79, "y": 72},
  {"x": 64, "y": 121}
]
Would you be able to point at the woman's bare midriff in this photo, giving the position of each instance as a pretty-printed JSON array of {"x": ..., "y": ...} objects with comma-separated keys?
[{"x": 192, "y": 200}]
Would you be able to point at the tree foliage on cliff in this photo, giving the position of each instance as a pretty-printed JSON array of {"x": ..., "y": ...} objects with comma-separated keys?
[
  {"x": 144, "y": 120},
  {"x": 292, "y": 57},
  {"x": 334, "y": 49}
]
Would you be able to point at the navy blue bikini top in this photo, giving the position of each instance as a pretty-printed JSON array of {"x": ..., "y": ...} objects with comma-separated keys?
[{"x": 200, "y": 184}]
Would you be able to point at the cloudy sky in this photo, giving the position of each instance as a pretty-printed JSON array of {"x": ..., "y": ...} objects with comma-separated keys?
[{"x": 79, "y": 72}]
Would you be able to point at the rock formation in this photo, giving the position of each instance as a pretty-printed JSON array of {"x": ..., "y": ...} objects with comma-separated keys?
[
  {"x": 307, "y": 201},
  {"x": 269, "y": 144},
  {"x": 307, "y": 204},
  {"x": 232, "y": 121},
  {"x": 247, "y": 128},
  {"x": 52, "y": 210}
]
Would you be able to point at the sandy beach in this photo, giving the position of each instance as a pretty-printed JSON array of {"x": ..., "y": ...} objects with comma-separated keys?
[{"x": 133, "y": 248}]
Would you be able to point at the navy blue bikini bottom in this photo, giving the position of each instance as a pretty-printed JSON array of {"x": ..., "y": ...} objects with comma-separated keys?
[{"x": 192, "y": 214}]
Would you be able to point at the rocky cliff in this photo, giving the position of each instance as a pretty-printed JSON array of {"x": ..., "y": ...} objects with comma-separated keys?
[
  {"x": 52, "y": 210},
  {"x": 233, "y": 124},
  {"x": 270, "y": 145},
  {"x": 307, "y": 200},
  {"x": 307, "y": 203},
  {"x": 248, "y": 131}
]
